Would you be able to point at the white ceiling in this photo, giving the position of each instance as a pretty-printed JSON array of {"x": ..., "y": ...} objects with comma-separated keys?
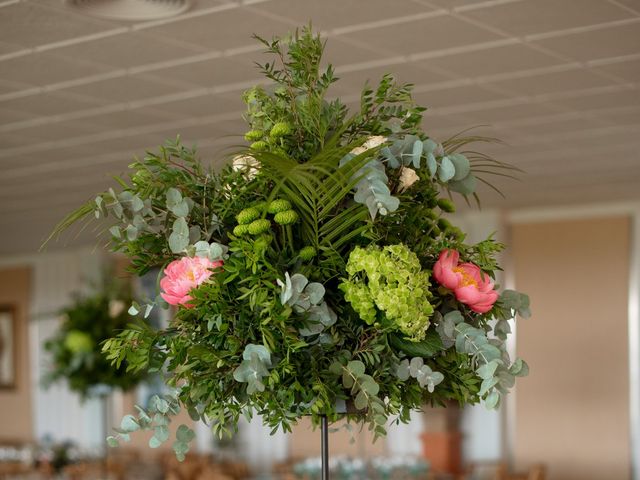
[{"x": 79, "y": 96}]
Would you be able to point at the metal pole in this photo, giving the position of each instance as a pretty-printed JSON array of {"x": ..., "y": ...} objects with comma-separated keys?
[{"x": 325, "y": 447}]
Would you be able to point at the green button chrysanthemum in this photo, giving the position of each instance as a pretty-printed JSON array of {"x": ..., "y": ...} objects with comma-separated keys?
[
  {"x": 254, "y": 135},
  {"x": 280, "y": 129},
  {"x": 259, "y": 226},
  {"x": 241, "y": 230},
  {"x": 307, "y": 253},
  {"x": 286, "y": 218},
  {"x": 259, "y": 145},
  {"x": 279, "y": 205},
  {"x": 248, "y": 215}
]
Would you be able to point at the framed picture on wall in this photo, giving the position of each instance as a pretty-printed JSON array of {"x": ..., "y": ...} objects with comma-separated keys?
[{"x": 7, "y": 347}]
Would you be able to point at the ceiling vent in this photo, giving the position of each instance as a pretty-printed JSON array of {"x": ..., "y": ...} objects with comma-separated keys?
[{"x": 131, "y": 10}]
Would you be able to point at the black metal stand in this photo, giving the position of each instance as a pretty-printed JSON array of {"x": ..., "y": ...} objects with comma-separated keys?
[{"x": 325, "y": 447}]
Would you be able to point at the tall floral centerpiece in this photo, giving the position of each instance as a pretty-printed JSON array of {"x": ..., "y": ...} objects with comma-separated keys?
[
  {"x": 75, "y": 347},
  {"x": 316, "y": 273}
]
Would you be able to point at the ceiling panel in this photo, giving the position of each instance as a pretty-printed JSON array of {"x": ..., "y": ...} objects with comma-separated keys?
[
  {"x": 613, "y": 41},
  {"x": 331, "y": 14},
  {"x": 541, "y": 16},
  {"x": 552, "y": 82},
  {"x": 492, "y": 61},
  {"x": 125, "y": 88},
  {"x": 127, "y": 50},
  {"x": 31, "y": 23},
  {"x": 221, "y": 30},
  {"x": 50, "y": 104},
  {"x": 45, "y": 68},
  {"x": 424, "y": 35},
  {"x": 214, "y": 71},
  {"x": 558, "y": 81}
]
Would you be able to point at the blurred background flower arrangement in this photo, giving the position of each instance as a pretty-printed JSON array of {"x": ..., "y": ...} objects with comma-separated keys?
[{"x": 75, "y": 348}]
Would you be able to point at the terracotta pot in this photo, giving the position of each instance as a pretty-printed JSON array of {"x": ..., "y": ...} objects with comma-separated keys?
[{"x": 443, "y": 451}]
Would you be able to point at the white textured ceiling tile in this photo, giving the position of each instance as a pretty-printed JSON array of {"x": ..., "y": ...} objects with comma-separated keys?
[
  {"x": 504, "y": 115},
  {"x": 618, "y": 98},
  {"x": 49, "y": 104},
  {"x": 329, "y": 14},
  {"x": 339, "y": 51},
  {"x": 424, "y": 35},
  {"x": 597, "y": 44},
  {"x": 539, "y": 130},
  {"x": 491, "y": 61},
  {"x": 221, "y": 30},
  {"x": 124, "y": 89},
  {"x": 552, "y": 82},
  {"x": 131, "y": 118},
  {"x": 622, "y": 116},
  {"x": 12, "y": 116},
  {"x": 403, "y": 73},
  {"x": 33, "y": 24},
  {"x": 626, "y": 70},
  {"x": 539, "y": 16},
  {"x": 443, "y": 98},
  {"x": 46, "y": 68},
  {"x": 216, "y": 71},
  {"x": 60, "y": 131},
  {"x": 126, "y": 50},
  {"x": 9, "y": 48},
  {"x": 14, "y": 140},
  {"x": 201, "y": 105}
]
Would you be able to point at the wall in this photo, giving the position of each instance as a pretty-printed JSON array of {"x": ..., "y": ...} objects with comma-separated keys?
[
  {"x": 572, "y": 411},
  {"x": 15, "y": 404}
]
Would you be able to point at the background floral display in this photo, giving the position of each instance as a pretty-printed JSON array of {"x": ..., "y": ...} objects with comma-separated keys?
[
  {"x": 316, "y": 274},
  {"x": 75, "y": 348}
]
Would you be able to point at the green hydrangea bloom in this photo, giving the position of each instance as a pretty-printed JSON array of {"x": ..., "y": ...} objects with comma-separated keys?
[{"x": 389, "y": 280}]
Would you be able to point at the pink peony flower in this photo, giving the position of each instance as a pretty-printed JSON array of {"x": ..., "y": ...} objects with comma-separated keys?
[
  {"x": 181, "y": 276},
  {"x": 469, "y": 284}
]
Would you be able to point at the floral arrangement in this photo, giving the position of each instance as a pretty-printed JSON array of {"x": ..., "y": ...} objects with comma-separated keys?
[
  {"x": 75, "y": 348},
  {"x": 316, "y": 273}
]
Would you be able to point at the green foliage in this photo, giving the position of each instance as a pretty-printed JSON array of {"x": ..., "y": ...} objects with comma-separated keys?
[
  {"x": 328, "y": 227},
  {"x": 75, "y": 347}
]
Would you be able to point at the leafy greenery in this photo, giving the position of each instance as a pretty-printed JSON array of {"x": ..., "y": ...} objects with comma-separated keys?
[
  {"x": 75, "y": 347},
  {"x": 329, "y": 226}
]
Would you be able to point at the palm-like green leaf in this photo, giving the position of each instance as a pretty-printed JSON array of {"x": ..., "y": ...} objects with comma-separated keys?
[{"x": 321, "y": 190}]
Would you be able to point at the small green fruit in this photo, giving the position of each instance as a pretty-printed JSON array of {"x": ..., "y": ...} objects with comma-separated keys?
[
  {"x": 286, "y": 218},
  {"x": 279, "y": 205},
  {"x": 248, "y": 215},
  {"x": 259, "y": 226}
]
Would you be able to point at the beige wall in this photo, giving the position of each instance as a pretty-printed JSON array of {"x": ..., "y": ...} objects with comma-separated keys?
[
  {"x": 572, "y": 411},
  {"x": 15, "y": 403}
]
